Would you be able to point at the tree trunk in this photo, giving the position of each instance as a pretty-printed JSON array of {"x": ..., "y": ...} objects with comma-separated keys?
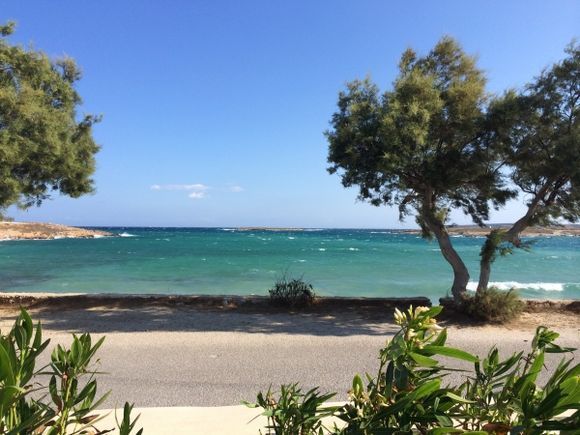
[
  {"x": 484, "y": 274},
  {"x": 512, "y": 236},
  {"x": 460, "y": 272}
]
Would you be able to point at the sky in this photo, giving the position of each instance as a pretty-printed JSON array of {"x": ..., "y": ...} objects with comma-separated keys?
[{"x": 214, "y": 111}]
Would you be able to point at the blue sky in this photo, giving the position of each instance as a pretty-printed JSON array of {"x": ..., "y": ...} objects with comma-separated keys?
[{"x": 214, "y": 111}]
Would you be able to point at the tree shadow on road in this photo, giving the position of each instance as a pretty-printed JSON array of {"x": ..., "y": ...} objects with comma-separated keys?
[{"x": 122, "y": 316}]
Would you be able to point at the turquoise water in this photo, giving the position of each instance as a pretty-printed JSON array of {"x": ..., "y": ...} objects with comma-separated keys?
[{"x": 223, "y": 261}]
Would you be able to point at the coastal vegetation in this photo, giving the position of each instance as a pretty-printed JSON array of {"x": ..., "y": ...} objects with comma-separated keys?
[
  {"x": 45, "y": 146},
  {"x": 408, "y": 394},
  {"x": 292, "y": 293},
  {"x": 536, "y": 134},
  {"x": 437, "y": 142},
  {"x": 58, "y": 399},
  {"x": 493, "y": 305}
]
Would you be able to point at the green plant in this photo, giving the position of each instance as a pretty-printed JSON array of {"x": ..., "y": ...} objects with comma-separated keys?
[
  {"x": 292, "y": 293},
  {"x": 492, "y": 304},
  {"x": 407, "y": 396},
  {"x": 74, "y": 404},
  {"x": 293, "y": 412},
  {"x": 126, "y": 425},
  {"x": 72, "y": 386},
  {"x": 19, "y": 350},
  {"x": 504, "y": 395}
]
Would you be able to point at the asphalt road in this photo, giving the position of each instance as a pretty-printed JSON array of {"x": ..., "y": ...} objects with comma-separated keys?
[{"x": 173, "y": 357}]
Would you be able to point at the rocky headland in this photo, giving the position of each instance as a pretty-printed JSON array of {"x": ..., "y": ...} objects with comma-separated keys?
[{"x": 45, "y": 231}]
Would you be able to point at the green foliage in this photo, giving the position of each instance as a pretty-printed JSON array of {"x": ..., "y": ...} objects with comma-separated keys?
[
  {"x": 496, "y": 243},
  {"x": 292, "y": 293},
  {"x": 492, "y": 304},
  {"x": 435, "y": 142},
  {"x": 74, "y": 400},
  {"x": 422, "y": 141},
  {"x": 72, "y": 387},
  {"x": 504, "y": 395},
  {"x": 537, "y": 131},
  {"x": 126, "y": 425},
  {"x": 422, "y": 145},
  {"x": 43, "y": 146},
  {"x": 536, "y": 134},
  {"x": 19, "y": 350},
  {"x": 493, "y": 245},
  {"x": 408, "y": 396},
  {"x": 293, "y": 412}
]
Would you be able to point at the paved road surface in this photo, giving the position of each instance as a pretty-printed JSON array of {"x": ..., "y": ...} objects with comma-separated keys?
[{"x": 184, "y": 357}]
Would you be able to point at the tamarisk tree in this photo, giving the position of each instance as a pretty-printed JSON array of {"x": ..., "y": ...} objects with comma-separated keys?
[
  {"x": 422, "y": 145},
  {"x": 43, "y": 146},
  {"x": 537, "y": 132}
]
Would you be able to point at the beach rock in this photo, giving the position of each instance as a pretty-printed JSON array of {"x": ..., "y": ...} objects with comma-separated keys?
[{"x": 45, "y": 231}]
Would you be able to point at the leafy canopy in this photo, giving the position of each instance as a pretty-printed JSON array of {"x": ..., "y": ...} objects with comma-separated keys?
[
  {"x": 43, "y": 147},
  {"x": 422, "y": 142},
  {"x": 538, "y": 131}
]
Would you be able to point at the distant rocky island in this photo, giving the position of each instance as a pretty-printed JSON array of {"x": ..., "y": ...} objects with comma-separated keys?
[
  {"x": 48, "y": 231},
  {"x": 461, "y": 230},
  {"x": 45, "y": 231},
  {"x": 475, "y": 231},
  {"x": 270, "y": 229}
]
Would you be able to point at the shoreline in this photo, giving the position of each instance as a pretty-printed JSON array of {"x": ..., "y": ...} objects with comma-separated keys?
[
  {"x": 475, "y": 231},
  {"x": 368, "y": 308},
  {"x": 46, "y": 231},
  {"x": 50, "y": 231}
]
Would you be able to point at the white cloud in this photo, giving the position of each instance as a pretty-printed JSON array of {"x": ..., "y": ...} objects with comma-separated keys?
[
  {"x": 189, "y": 187},
  {"x": 196, "y": 190}
]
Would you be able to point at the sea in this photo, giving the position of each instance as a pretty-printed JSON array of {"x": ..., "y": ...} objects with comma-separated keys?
[{"x": 230, "y": 261}]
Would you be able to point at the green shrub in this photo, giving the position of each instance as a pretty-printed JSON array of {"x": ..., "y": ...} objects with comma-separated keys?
[
  {"x": 493, "y": 305},
  {"x": 293, "y": 412},
  {"x": 292, "y": 293},
  {"x": 407, "y": 395},
  {"x": 71, "y": 400}
]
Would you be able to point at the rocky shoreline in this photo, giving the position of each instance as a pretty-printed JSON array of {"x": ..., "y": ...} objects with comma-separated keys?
[
  {"x": 45, "y": 231},
  {"x": 475, "y": 231}
]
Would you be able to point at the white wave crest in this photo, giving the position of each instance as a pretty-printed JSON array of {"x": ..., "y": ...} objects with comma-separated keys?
[
  {"x": 506, "y": 285},
  {"x": 127, "y": 235}
]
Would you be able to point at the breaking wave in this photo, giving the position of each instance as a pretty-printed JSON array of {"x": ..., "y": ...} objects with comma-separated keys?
[{"x": 506, "y": 285}]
